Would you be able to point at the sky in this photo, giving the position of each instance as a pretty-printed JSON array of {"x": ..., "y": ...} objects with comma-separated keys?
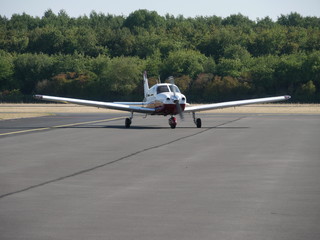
[{"x": 251, "y": 8}]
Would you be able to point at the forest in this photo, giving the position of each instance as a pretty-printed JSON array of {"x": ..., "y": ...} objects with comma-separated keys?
[{"x": 103, "y": 56}]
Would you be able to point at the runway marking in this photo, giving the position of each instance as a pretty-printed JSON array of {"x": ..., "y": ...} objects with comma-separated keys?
[
  {"x": 60, "y": 126},
  {"x": 116, "y": 160}
]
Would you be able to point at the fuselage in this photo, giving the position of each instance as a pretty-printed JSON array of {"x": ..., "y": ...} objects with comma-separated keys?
[{"x": 165, "y": 97}]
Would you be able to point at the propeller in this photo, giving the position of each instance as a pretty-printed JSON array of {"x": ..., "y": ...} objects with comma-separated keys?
[{"x": 176, "y": 100}]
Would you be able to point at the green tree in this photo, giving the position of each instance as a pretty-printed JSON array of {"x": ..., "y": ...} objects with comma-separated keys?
[
  {"x": 261, "y": 74},
  {"x": 268, "y": 41},
  {"x": 183, "y": 82},
  {"x": 311, "y": 68},
  {"x": 183, "y": 62},
  {"x": 31, "y": 68},
  {"x": 6, "y": 71},
  {"x": 297, "y": 38},
  {"x": 198, "y": 87},
  {"x": 69, "y": 84},
  {"x": 144, "y": 18},
  {"x": 265, "y": 23},
  {"x": 86, "y": 41},
  {"x": 122, "y": 77},
  {"x": 15, "y": 41},
  {"x": 76, "y": 62},
  {"x": 230, "y": 67},
  {"x": 145, "y": 44},
  {"x": 293, "y": 19},
  {"x": 217, "y": 40},
  {"x": 313, "y": 40},
  {"x": 238, "y": 20},
  {"x": 47, "y": 40},
  {"x": 306, "y": 92},
  {"x": 225, "y": 88},
  {"x": 122, "y": 43},
  {"x": 288, "y": 74},
  {"x": 236, "y": 52},
  {"x": 22, "y": 22},
  {"x": 75, "y": 53},
  {"x": 154, "y": 63}
]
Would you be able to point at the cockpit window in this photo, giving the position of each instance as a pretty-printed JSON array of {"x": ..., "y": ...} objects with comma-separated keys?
[
  {"x": 162, "y": 89},
  {"x": 174, "y": 88},
  {"x": 165, "y": 88}
]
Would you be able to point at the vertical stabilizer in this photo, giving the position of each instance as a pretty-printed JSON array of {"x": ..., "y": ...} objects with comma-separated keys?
[{"x": 145, "y": 84}]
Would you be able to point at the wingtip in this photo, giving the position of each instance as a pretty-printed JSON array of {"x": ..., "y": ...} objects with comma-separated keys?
[
  {"x": 287, "y": 97},
  {"x": 38, "y": 97}
]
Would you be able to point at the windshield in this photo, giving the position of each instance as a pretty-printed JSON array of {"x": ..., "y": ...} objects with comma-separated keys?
[
  {"x": 162, "y": 89},
  {"x": 165, "y": 88},
  {"x": 174, "y": 88}
]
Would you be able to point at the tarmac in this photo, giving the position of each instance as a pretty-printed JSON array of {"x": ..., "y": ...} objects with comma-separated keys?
[{"x": 85, "y": 176}]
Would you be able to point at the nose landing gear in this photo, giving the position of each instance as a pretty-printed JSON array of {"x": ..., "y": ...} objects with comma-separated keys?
[{"x": 173, "y": 122}]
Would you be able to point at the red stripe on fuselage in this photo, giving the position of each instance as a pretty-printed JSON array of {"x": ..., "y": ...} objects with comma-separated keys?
[{"x": 168, "y": 109}]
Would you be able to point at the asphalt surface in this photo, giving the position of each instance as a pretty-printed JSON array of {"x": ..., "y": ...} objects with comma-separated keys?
[{"x": 81, "y": 176}]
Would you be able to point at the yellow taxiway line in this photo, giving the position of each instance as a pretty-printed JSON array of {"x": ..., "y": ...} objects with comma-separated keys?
[{"x": 60, "y": 126}]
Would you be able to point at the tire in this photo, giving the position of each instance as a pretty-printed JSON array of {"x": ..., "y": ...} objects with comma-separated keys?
[
  {"x": 198, "y": 123},
  {"x": 173, "y": 122},
  {"x": 128, "y": 122}
]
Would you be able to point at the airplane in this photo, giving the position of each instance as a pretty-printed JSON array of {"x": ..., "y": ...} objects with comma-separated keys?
[{"x": 161, "y": 99}]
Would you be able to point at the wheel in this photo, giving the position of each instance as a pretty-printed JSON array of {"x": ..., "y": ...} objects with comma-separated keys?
[
  {"x": 128, "y": 122},
  {"x": 173, "y": 122},
  {"x": 198, "y": 122}
]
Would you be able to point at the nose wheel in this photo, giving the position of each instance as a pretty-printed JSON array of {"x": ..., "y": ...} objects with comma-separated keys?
[{"x": 173, "y": 122}]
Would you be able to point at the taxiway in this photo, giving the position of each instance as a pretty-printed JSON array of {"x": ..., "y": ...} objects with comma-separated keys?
[{"x": 85, "y": 176}]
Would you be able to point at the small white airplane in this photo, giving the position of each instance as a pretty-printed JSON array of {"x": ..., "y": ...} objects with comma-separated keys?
[{"x": 161, "y": 99}]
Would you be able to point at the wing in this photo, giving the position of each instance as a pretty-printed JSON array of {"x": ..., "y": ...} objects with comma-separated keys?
[
  {"x": 235, "y": 103},
  {"x": 115, "y": 106}
]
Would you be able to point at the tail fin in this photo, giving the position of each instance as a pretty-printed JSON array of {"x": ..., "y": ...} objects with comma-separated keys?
[{"x": 145, "y": 84}]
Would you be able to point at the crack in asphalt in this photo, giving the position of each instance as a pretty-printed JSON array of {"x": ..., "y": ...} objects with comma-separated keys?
[{"x": 116, "y": 160}]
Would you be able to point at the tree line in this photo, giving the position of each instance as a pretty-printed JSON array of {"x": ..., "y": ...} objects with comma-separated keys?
[{"x": 103, "y": 56}]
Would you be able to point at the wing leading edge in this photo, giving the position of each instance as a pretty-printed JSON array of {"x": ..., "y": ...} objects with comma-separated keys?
[
  {"x": 115, "y": 106},
  {"x": 235, "y": 103}
]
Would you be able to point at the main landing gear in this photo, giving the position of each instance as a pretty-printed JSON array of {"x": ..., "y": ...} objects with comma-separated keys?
[
  {"x": 172, "y": 121},
  {"x": 129, "y": 121},
  {"x": 197, "y": 121}
]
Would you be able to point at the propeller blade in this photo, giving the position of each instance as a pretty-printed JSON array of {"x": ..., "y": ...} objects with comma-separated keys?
[
  {"x": 171, "y": 79},
  {"x": 179, "y": 109}
]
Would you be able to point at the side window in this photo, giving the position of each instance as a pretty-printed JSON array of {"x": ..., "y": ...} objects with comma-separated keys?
[{"x": 152, "y": 91}]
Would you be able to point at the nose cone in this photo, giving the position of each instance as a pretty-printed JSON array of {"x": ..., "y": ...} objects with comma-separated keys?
[
  {"x": 180, "y": 98},
  {"x": 175, "y": 98}
]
